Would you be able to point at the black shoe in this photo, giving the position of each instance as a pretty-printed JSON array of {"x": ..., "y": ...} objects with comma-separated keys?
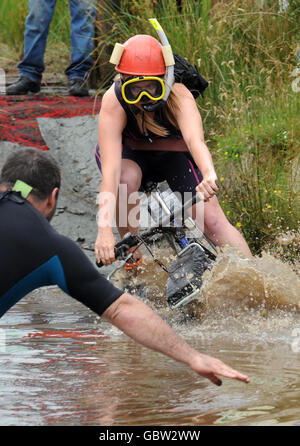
[
  {"x": 78, "y": 87},
  {"x": 23, "y": 86}
]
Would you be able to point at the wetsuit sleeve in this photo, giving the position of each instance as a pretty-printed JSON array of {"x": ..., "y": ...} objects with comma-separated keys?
[{"x": 83, "y": 281}]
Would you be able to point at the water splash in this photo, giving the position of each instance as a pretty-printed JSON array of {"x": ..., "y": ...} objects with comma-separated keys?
[
  {"x": 238, "y": 283},
  {"x": 253, "y": 282}
]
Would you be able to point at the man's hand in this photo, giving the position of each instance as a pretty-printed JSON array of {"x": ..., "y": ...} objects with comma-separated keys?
[
  {"x": 105, "y": 246},
  {"x": 210, "y": 367},
  {"x": 143, "y": 325}
]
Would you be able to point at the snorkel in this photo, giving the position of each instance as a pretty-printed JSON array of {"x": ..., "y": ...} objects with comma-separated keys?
[
  {"x": 169, "y": 61},
  {"x": 167, "y": 57}
]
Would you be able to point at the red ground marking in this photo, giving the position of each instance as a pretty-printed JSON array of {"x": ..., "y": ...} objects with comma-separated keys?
[{"x": 18, "y": 123}]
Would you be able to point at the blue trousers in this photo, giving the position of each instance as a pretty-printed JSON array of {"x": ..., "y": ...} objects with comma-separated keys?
[{"x": 83, "y": 14}]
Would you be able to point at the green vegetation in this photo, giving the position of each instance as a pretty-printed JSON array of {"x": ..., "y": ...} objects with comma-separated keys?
[{"x": 247, "y": 50}]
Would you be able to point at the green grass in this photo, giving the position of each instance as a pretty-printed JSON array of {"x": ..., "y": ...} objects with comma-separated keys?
[{"x": 257, "y": 157}]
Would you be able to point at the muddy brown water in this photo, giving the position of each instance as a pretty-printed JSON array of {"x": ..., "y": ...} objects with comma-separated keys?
[{"x": 62, "y": 365}]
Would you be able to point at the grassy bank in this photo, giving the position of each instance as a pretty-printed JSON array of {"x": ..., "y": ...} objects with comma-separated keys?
[{"x": 247, "y": 50}]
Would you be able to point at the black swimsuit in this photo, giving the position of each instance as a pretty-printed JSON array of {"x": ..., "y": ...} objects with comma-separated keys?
[{"x": 33, "y": 255}]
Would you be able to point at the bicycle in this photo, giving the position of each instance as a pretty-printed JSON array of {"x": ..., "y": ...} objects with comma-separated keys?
[{"x": 193, "y": 254}]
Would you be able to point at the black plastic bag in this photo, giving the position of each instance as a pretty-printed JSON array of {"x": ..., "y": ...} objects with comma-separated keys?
[{"x": 187, "y": 74}]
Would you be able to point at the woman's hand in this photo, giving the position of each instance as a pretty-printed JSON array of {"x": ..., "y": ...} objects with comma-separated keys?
[
  {"x": 208, "y": 186},
  {"x": 105, "y": 246}
]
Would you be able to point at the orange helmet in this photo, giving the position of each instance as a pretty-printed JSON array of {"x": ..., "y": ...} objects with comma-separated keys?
[{"x": 142, "y": 56}]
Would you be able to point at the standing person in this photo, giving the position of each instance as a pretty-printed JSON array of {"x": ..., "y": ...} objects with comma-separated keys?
[
  {"x": 33, "y": 255},
  {"x": 31, "y": 68},
  {"x": 150, "y": 129}
]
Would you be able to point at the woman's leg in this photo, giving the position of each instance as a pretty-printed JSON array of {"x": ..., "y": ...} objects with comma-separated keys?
[
  {"x": 127, "y": 212},
  {"x": 183, "y": 176},
  {"x": 127, "y": 207},
  {"x": 218, "y": 229}
]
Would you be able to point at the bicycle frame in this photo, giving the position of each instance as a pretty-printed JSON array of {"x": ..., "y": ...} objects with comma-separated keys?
[{"x": 177, "y": 234}]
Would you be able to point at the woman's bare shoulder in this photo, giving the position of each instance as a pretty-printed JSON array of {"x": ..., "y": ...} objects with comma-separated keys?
[
  {"x": 110, "y": 102},
  {"x": 182, "y": 90}
]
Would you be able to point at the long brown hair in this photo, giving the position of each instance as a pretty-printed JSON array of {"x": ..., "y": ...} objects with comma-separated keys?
[{"x": 147, "y": 123}]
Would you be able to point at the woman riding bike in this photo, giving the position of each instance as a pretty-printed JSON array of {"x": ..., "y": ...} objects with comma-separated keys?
[{"x": 150, "y": 128}]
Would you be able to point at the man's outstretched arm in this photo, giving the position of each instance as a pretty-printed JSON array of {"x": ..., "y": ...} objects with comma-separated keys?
[{"x": 139, "y": 322}]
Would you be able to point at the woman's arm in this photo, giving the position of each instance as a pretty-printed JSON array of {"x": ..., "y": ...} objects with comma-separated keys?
[
  {"x": 190, "y": 124},
  {"x": 112, "y": 120}
]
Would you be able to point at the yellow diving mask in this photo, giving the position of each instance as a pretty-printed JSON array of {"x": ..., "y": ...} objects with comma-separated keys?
[{"x": 134, "y": 88}]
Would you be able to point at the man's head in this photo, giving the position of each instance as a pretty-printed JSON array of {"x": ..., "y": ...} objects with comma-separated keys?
[{"x": 40, "y": 171}]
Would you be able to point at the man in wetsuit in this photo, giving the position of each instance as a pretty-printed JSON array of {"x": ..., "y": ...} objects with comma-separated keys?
[{"x": 33, "y": 255}]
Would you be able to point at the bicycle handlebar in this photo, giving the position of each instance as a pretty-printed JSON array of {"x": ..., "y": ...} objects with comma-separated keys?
[
  {"x": 132, "y": 240},
  {"x": 122, "y": 247}
]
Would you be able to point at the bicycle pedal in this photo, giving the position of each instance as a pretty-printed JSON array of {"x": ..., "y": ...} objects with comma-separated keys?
[{"x": 133, "y": 263}]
